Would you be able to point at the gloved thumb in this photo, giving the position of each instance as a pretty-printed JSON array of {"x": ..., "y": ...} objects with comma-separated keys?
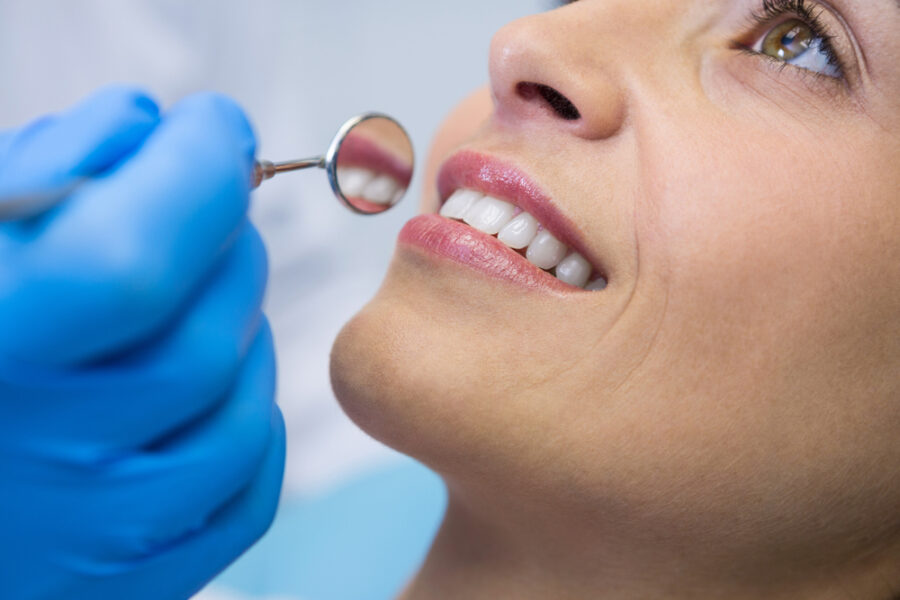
[{"x": 43, "y": 161}]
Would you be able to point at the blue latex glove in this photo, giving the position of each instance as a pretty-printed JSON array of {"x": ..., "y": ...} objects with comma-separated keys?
[{"x": 140, "y": 447}]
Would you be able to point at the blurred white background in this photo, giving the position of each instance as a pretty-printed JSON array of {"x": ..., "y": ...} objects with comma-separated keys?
[{"x": 299, "y": 68}]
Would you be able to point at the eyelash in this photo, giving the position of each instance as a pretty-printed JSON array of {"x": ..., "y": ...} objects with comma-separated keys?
[{"x": 772, "y": 10}]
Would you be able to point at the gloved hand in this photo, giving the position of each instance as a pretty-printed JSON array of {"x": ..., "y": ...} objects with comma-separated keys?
[{"x": 140, "y": 448}]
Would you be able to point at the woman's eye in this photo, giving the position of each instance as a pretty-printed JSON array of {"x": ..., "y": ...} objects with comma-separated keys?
[{"x": 796, "y": 43}]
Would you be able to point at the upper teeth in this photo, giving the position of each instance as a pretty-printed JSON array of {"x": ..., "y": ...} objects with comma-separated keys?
[
  {"x": 519, "y": 231},
  {"x": 368, "y": 185}
]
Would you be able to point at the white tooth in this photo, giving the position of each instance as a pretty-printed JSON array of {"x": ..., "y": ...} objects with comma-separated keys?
[
  {"x": 574, "y": 270},
  {"x": 398, "y": 196},
  {"x": 545, "y": 251},
  {"x": 489, "y": 215},
  {"x": 596, "y": 285},
  {"x": 380, "y": 190},
  {"x": 519, "y": 232},
  {"x": 459, "y": 203},
  {"x": 353, "y": 181}
]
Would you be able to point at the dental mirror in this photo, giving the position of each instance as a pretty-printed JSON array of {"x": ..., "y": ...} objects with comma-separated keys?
[{"x": 369, "y": 164}]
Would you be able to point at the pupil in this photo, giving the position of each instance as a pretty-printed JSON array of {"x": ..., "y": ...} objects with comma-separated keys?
[{"x": 795, "y": 41}]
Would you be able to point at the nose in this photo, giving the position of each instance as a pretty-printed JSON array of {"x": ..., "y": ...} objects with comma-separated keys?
[{"x": 541, "y": 72}]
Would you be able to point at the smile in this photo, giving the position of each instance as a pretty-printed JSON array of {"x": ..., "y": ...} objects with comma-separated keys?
[
  {"x": 494, "y": 219},
  {"x": 369, "y": 175},
  {"x": 519, "y": 230}
]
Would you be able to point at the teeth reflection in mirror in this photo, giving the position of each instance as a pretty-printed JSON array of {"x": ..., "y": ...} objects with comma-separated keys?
[
  {"x": 380, "y": 190},
  {"x": 459, "y": 204},
  {"x": 545, "y": 251},
  {"x": 489, "y": 215},
  {"x": 519, "y": 232},
  {"x": 353, "y": 181},
  {"x": 398, "y": 196},
  {"x": 596, "y": 285},
  {"x": 574, "y": 270}
]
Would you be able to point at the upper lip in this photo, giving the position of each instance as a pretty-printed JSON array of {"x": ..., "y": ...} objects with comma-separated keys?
[
  {"x": 499, "y": 179},
  {"x": 358, "y": 151}
]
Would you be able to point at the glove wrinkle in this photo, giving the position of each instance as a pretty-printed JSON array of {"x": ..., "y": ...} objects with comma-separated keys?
[{"x": 140, "y": 443}]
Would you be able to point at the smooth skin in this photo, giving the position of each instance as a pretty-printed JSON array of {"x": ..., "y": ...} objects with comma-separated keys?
[{"x": 721, "y": 421}]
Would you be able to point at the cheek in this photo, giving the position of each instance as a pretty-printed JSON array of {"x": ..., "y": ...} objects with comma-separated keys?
[
  {"x": 459, "y": 126},
  {"x": 779, "y": 346},
  {"x": 781, "y": 260}
]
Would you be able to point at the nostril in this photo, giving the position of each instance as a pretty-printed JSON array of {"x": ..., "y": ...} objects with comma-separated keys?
[{"x": 559, "y": 103}]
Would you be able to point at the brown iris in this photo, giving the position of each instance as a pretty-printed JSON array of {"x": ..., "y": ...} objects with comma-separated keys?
[{"x": 789, "y": 40}]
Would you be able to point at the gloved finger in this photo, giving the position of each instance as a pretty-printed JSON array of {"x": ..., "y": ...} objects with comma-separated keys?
[
  {"x": 44, "y": 161},
  {"x": 128, "y": 250},
  {"x": 6, "y": 138},
  {"x": 207, "y": 463},
  {"x": 180, "y": 569},
  {"x": 94, "y": 415},
  {"x": 238, "y": 525}
]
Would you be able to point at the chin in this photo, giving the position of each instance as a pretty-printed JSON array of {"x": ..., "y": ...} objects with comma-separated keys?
[
  {"x": 389, "y": 371},
  {"x": 437, "y": 366},
  {"x": 415, "y": 370},
  {"x": 367, "y": 375}
]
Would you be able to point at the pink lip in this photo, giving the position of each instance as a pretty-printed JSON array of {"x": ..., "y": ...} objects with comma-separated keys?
[
  {"x": 485, "y": 253},
  {"x": 493, "y": 177},
  {"x": 358, "y": 151},
  {"x": 463, "y": 244}
]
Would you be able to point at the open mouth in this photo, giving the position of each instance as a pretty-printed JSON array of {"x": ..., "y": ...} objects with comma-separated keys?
[
  {"x": 522, "y": 232},
  {"x": 499, "y": 201}
]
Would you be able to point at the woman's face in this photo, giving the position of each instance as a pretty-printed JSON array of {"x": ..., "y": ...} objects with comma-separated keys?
[{"x": 736, "y": 181}]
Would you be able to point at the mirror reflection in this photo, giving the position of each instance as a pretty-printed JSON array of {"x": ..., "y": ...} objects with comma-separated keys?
[{"x": 374, "y": 165}]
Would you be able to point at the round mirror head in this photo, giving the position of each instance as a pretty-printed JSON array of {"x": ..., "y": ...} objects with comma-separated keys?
[{"x": 370, "y": 163}]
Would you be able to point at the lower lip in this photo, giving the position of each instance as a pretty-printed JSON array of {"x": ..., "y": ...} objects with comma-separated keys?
[
  {"x": 366, "y": 206},
  {"x": 463, "y": 244}
]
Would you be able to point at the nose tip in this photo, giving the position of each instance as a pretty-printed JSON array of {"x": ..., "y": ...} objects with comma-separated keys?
[{"x": 539, "y": 74}]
